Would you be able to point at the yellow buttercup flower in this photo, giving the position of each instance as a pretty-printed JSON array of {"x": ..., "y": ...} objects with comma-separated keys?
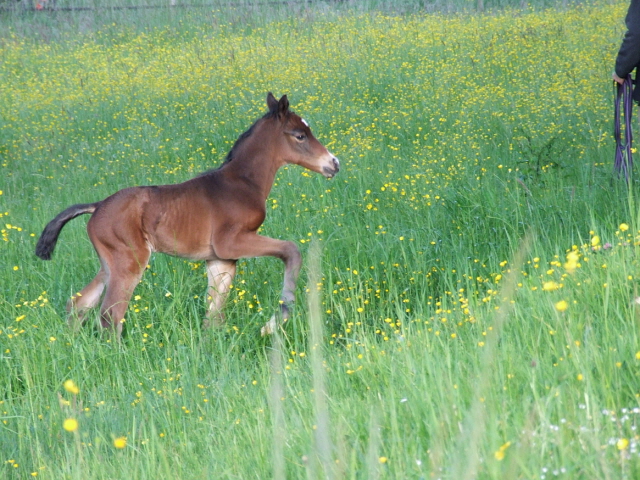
[
  {"x": 550, "y": 286},
  {"x": 499, "y": 454},
  {"x": 572, "y": 261},
  {"x": 70, "y": 424},
  {"x": 120, "y": 442},
  {"x": 71, "y": 387},
  {"x": 622, "y": 444}
]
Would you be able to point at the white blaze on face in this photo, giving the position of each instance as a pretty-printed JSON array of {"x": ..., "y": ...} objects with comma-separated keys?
[{"x": 306, "y": 124}]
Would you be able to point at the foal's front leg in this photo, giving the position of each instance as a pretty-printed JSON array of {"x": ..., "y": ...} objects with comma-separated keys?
[
  {"x": 253, "y": 245},
  {"x": 292, "y": 259},
  {"x": 220, "y": 274}
]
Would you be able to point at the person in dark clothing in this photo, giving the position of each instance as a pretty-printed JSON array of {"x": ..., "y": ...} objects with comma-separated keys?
[{"x": 628, "y": 58}]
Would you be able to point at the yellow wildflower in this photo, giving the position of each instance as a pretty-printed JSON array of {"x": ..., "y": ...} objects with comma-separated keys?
[
  {"x": 120, "y": 442},
  {"x": 499, "y": 454},
  {"x": 70, "y": 424},
  {"x": 71, "y": 387},
  {"x": 550, "y": 286},
  {"x": 622, "y": 444}
]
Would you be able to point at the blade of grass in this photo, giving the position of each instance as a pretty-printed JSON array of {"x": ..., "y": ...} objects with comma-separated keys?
[
  {"x": 323, "y": 445},
  {"x": 471, "y": 433},
  {"x": 277, "y": 412}
]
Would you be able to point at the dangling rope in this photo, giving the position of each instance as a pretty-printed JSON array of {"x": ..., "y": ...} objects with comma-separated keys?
[{"x": 624, "y": 161}]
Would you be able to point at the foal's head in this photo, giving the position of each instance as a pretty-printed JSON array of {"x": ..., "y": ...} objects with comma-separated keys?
[{"x": 295, "y": 143}]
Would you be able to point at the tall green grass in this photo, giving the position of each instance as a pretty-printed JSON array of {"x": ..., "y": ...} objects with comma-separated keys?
[
  {"x": 469, "y": 305},
  {"x": 59, "y": 19}
]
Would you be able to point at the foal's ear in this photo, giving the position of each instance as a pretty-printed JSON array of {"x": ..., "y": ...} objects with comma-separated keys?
[
  {"x": 283, "y": 105},
  {"x": 272, "y": 102},
  {"x": 280, "y": 107}
]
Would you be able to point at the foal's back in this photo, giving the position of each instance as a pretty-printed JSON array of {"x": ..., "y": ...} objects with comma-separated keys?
[{"x": 182, "y": 219}]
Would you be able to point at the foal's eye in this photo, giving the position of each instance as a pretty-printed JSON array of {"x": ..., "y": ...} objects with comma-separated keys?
[{"x": 300, "y": 136}]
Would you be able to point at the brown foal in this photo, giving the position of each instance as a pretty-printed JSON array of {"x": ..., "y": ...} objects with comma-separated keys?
[{"x": 213, "y": 217}]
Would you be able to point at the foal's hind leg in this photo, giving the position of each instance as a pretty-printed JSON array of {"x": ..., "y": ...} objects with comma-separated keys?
[
  {"x": 123, "y": 278},
  {"x": 86, "y": 299},
  {"x": 220, "y": 274}
]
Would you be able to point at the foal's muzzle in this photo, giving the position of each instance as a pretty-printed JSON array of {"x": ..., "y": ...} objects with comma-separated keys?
[{"x": 330, "y": 172}]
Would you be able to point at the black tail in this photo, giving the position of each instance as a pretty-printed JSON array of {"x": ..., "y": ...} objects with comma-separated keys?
[{"x": 49, "y": 237}]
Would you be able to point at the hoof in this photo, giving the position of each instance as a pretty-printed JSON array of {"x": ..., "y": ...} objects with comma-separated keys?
[
  {"x": 269, "y": 327},
  {"x": 215, "y": 320}
]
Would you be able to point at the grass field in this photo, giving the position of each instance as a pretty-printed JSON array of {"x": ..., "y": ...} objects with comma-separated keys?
[{"x": 469, "y": 305}]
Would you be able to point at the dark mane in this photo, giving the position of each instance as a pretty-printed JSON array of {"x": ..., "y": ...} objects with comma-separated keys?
[
  {"x": 241, "y": 139},
  {"x": 246, "y": 135}
]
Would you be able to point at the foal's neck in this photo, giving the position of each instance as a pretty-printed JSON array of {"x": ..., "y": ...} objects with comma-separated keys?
[{"x": 253, "y": 165}]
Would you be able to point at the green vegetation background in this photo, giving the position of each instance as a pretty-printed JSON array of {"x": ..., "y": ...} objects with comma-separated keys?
[{"x": 478, "y": 285}]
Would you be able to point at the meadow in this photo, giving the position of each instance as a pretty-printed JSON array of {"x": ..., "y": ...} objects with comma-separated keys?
[{"x": 469, "y": 305}]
